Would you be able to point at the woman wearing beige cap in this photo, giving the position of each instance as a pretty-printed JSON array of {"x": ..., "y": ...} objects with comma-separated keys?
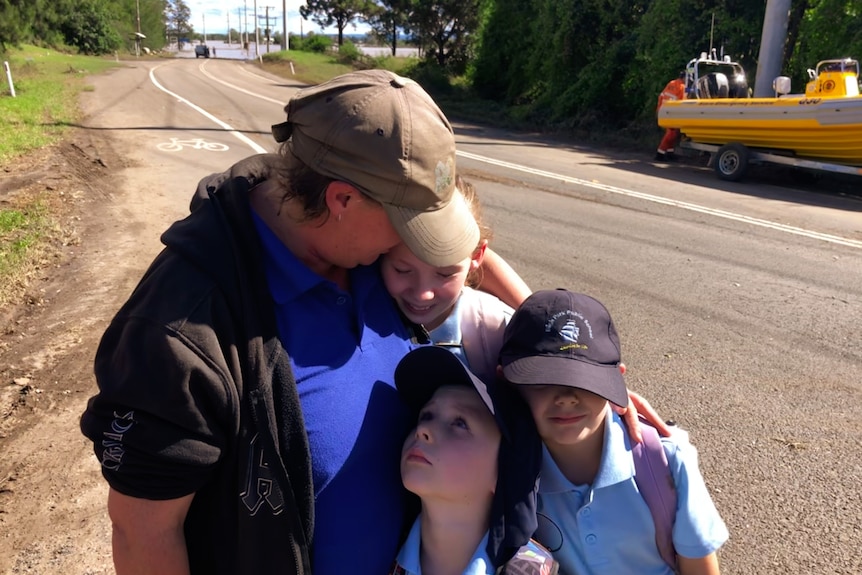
[{"x": 246, "y": 419}]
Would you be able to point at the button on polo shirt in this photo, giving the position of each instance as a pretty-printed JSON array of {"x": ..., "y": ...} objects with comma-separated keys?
[{"x": 343, "y": 348}]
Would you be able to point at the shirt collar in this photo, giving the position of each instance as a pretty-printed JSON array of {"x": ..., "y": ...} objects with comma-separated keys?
[
  {"x": 287, "y": 276},
  {"x": 408, "y": 557},
  {"x": 614, "y": 467}
]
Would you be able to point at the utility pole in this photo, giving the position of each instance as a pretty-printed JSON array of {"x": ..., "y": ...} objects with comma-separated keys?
[
  {"x": 284, "y": 41},
  {"x": 245, "y": 26},
  {"x": 228, "y": 27},
  {"x": 256, "y": 33},
  {"x": 204, "y": 16},
  {"x": 772, "y": 41},
  {"x": 268, "y": 30}
]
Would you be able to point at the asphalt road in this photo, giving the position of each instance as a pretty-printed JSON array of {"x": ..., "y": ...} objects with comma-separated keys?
[{"x": 739, "y": 304}]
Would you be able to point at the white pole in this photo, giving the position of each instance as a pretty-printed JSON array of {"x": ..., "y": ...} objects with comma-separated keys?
[
  {"x": 284, "y": 40},
  {"x": 228, "y": 28},
  {"x": 9, "y": 78}
]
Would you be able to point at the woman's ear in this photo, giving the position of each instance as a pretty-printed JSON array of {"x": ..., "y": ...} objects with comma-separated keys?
[
  {"x": 340, "y": 195},
  {"x": 478, "y": 256}
]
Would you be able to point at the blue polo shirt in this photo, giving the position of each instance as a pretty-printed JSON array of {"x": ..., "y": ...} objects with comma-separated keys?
[
  {"x": 343, "y": 348},
  {"x": 408, "y": 561},
  {"x": 607, "y": 527}
]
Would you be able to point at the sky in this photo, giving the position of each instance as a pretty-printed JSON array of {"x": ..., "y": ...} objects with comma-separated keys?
[{"x": 213, "y": 15}]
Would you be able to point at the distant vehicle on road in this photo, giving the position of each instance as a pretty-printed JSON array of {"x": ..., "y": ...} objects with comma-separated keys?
[{"x": 202, "y": 50}]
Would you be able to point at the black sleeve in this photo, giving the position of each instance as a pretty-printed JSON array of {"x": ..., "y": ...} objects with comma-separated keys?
[{"x": 165, "y": 411}]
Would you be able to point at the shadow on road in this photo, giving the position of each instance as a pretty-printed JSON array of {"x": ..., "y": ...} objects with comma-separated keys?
[{"x": 768, "y": 181}]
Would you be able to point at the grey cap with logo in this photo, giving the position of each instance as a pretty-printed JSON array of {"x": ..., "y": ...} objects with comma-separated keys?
[{"x": 383, "y": 134}]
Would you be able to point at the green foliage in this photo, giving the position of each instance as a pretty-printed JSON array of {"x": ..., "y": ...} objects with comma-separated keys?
[
  {"x": 335, "y": 12},
  {"x": 178, "y": 16},
  {"x": 445, "y": 29},
  {"x": 15, "y": 18},
  {"x": 89, "y": 29},
  {"x": 387, "y": 17},
  {"x": 601, "y": 62},
  {"x": 46, "y": 83},
  {"x": 829, "y": 29},
  {"x": 433, "y": 77},
  {"x": 312, "y": 43},
  {"x": 308, "y": 67},
  {"x": 348, "y": 53}
]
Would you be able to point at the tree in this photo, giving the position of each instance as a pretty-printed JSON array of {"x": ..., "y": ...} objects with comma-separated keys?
[
  {"x": 14, "y": 18},
  {"x": 388, "y": 16},
  {"x": 446, "y": 25},
  {"x": 335, "y": 12},
  {"x": 89, "y": 28},
  {"x": 177, "y": 19}
]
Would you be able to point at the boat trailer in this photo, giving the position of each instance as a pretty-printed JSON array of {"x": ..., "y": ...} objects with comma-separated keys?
[{"x": 731, "y": 160}]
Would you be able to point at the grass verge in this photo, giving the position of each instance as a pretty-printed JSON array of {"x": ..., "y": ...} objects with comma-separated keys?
[
  {"x": 26, "y": 230},
  {"x": 47, "y": 83}
]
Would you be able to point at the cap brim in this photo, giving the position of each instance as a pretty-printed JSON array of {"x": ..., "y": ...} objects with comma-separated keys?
[
  {"x": 443, "y": 237},
  {"x": 604, "y": 381},
  {"x": 426, "y": 369}
]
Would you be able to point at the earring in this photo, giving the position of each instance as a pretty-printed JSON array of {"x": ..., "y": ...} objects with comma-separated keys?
[{"x": 338, "y": 218}]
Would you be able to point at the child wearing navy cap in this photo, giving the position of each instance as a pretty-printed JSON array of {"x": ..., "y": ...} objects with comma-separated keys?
[
  {"x": 561, "y": 351},
  {"x": 473, "y": 459}
]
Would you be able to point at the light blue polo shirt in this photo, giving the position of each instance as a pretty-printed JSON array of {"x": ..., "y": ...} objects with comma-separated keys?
[
  {"x": 607, "y": 527},
  {"x": 343, "y": 348},
  {"x": 409, "y": 560}
]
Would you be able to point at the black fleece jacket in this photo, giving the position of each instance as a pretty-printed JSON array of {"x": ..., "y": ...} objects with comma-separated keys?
[{"x": 196, "y": 393}]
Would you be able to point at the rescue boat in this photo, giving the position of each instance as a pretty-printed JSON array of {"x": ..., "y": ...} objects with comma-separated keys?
[{"x": 823, "y": 124}]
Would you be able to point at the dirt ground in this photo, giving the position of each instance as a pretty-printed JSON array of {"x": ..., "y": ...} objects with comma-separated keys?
[{"x": 52, "y": 501}]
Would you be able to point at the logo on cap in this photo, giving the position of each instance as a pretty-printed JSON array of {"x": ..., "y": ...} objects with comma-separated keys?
[
  {"x": 443, "y": 176},
  {"x": 570, "y": 332}
]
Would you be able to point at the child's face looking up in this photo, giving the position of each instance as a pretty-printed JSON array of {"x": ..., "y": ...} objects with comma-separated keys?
[
  {"x": 451, "y": 456},
  {"x": 424, "y": 293},
  {"x": 564, "y": 415}
]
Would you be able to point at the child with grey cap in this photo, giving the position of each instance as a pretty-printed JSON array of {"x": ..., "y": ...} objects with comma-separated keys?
[
  {"x": 473, "y": 459},
  {"x": 561, "y": 351}
]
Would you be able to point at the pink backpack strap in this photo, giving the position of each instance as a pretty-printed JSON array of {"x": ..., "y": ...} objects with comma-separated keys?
[
  {"x": 655, "y": 483},
  {"x": 483, "y": 319}
]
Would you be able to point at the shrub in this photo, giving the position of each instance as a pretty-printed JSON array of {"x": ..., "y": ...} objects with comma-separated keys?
[
  {"x": 315, "y": 43},
  {"x": 349, "y": 53}
]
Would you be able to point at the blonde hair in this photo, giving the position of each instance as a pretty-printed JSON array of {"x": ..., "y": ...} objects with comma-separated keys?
[{"x": 468, "y": 191}]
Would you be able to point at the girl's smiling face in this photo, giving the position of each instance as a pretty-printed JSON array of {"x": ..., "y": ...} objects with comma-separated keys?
[{"x": 424, "y": 293}]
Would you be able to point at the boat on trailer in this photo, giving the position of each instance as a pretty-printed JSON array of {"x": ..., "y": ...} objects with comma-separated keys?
[{"x": 820, "y": 129}]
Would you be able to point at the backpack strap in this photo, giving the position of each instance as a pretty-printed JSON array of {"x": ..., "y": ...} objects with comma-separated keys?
[
  {"x": 530, "y": 559},
  {"x": 483, "y": 319},
  {"x": 655, "y": 483}
]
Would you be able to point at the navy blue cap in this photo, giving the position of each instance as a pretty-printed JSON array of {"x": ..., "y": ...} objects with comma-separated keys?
[{"x": 557, "y": 337}]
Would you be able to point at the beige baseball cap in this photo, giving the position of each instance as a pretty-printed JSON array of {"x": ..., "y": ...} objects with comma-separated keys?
[{"x": 383, "y": 134}]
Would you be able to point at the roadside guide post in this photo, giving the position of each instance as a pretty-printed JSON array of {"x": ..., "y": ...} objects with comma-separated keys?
[{"x": 9, "y": 78}]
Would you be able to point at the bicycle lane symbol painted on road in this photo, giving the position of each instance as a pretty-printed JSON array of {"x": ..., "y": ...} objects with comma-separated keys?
[{"x": 176, "y": 145}]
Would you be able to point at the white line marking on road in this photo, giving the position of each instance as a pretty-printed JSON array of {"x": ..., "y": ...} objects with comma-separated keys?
[
  {"x": 238, "y": 89},
  {"x": 241, "y": 137},
  {"x": 668, "y": 202}
]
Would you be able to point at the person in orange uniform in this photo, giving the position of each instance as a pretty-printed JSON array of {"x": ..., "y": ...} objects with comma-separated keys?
[{"x": 674, "y": 90}]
